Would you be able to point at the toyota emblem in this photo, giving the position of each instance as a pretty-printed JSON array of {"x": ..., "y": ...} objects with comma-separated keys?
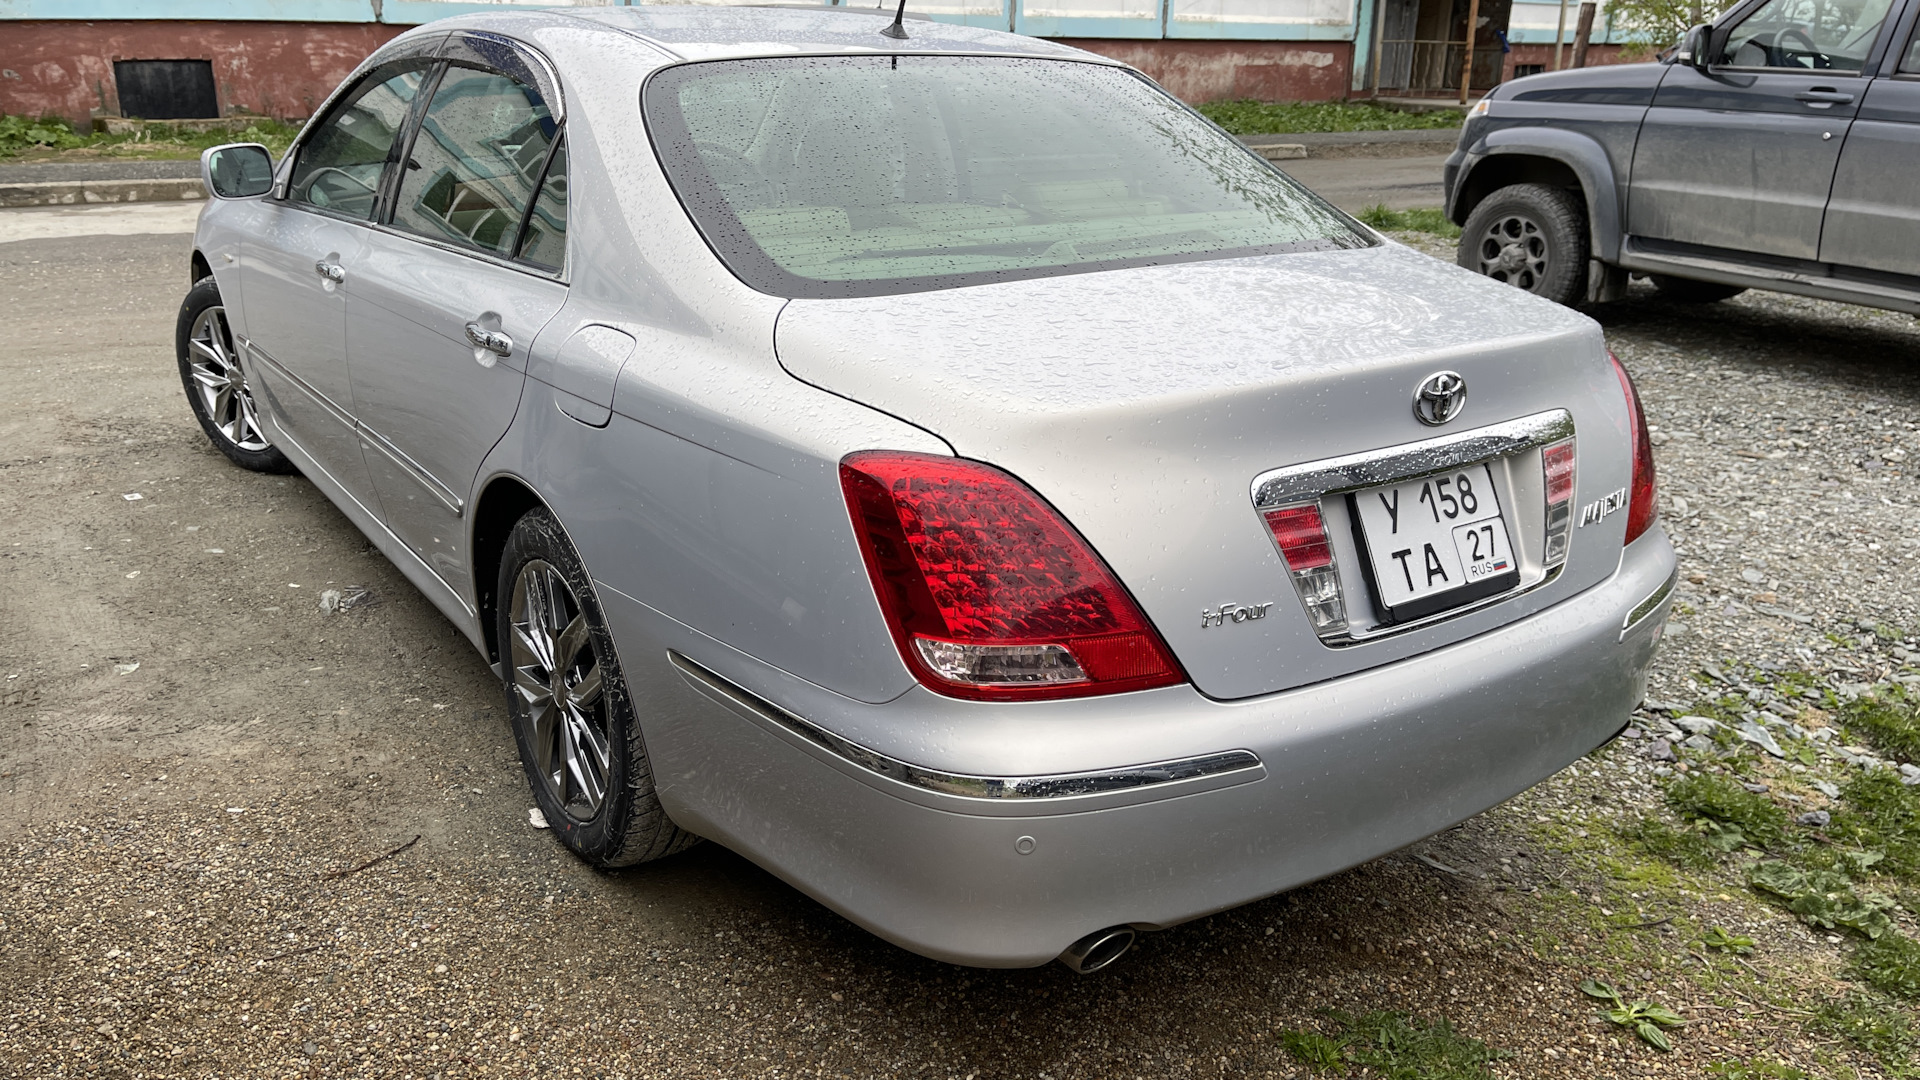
[{"x": 1440, "y": 398}]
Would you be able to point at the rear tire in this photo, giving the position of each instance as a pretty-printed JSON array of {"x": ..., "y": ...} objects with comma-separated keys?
[
  {"x": 1532, "y": 237},
  {"x": 1689, "y": 291},
  {"x": 216, "y": 382},
  {"x": 572, "y": 716}
]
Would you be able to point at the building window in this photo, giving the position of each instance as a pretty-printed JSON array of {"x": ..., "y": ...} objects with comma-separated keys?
[
  {"x": 1521, "y": 71},
  {"x": 166, "y": 89}
]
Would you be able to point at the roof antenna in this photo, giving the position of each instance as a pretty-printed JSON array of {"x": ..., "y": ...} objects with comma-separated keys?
[{"x": 896, "y": 30}]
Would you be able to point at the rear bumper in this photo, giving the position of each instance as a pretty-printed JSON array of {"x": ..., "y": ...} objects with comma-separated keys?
[{"x": 1350, "y": 769}]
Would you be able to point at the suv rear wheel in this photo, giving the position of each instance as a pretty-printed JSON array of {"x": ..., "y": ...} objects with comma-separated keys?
[
  {"x": 1532, "y": 237},
  {"x": 1689, "y": 291}
]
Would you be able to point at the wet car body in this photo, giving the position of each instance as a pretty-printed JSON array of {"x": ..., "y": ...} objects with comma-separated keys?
[{"x": 693, "y": 435}]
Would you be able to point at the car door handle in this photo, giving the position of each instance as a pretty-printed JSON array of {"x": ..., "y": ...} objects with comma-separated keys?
[
  {"x": 1820, "y": 96},
  {"x": 491, "y": 340},
  {"x": 333, "y": 272}
]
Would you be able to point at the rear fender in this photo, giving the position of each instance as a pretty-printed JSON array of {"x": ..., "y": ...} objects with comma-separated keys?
[{"x": 1516, "y": 155}]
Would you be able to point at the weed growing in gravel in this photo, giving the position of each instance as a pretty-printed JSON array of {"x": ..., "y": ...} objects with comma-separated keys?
[
  {"x": 1888, "y": 720},
  {"x": 1643, "y": 1018},
  {"x": 1312, "y": 1049},
  {"x": 1890, "y": 965},
  {"x": 1392, "y": 1045},
  {"x": 1718, "y": 938},
  {"x": 1824, "y": 898},
  {"x": 1874, "y": 1026},
  {"x": 1682, "y": 847},
  {"x": 1879, "y": 813},
  {"x": 1757, "y": 819}
]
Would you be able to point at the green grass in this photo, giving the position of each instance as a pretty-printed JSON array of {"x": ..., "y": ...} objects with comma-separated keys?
[
  {"x": 1717, "y": 799},
  {"x": 1878, "y": 813},
  {"x": 1874, "y": 1026},
  {"x": 52, "y": 139},
  {"x": 1312, "y": 1049},
  {"x": 1682, "y": 847},
  {"x": 1286, "y": 117},
  {"x": 1757, "y": 1070},
  {"x": 1423, "y": 220},
  {"x": 1890, "y": 965},
  {"x": 1391, "y": 1045},
  {"x": 1889, "y": 720}
]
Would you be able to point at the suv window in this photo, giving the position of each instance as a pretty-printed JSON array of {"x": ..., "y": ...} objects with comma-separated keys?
[
  {"x": 1805, "y": 35},
  {"x": 339, "y": 168},
  {"x": 472, "y": 169}
]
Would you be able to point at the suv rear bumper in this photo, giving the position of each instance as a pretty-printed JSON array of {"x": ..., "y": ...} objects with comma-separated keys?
[{"x": 1350, "y": 769}]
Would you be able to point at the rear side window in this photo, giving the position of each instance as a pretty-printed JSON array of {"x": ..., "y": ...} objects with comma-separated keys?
[
  {"x": 472, "y": 170},
  {"x": 339, "y": 167},
  {"x": 1806, "y": 35},
  {"x": 544, "y": 240},
  {"x": 864, "y": 176}
]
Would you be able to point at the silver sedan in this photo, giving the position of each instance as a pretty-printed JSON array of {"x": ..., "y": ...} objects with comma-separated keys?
[{"x": 942, "y": 468}]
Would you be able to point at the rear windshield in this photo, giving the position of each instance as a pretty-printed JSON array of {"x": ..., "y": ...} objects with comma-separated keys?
[{"x": 868, "y": 175}]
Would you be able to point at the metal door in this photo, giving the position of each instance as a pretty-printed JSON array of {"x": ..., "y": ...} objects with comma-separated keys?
[
  {"x": 449, "y": 298},
  {"x": 1742, "y": 156},
  {"x": 1873, "y": 219},
  {"x": 292, "y": 274}
]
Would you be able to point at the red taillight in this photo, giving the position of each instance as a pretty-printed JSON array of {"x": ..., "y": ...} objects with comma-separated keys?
[
  {"x": 989, "y": 594},
  {"x": 1301, "y": 535},
  {"x": 1643, "y": 504}
]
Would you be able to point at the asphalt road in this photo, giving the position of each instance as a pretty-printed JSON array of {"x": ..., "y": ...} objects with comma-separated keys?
[
  {"x": 1356, "y": 183},
  {"x": 243, "y": 837}
]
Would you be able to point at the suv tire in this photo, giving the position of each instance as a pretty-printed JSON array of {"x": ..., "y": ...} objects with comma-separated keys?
[
  {"x": 1532, "y": 237},
  {"x": 1689, "y": 291},
  {"x": 572, "y": 715}
]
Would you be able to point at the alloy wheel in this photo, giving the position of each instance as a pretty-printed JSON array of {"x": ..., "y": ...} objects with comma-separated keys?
[
  {"x": 556, "y": 676},
  {"x": 220, "y": 382},
  {"x": 1514, "y": 250}
]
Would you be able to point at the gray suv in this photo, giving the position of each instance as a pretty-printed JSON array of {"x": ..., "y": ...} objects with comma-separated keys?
[{"x": 1777, "y": 148}]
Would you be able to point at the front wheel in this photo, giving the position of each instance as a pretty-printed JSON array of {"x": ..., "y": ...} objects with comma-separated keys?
[
  {"x": 572, "y": 716},
  {"x": 216, "y": 384},
  {"x": 1532, "y": 237}
]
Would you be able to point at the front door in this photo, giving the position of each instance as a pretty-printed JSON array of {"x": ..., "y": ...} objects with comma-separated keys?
[
  {"x": 448, "y": 300},
  {"x": 1743, "y": 155},
  {"x": 1873, "y": 220}
]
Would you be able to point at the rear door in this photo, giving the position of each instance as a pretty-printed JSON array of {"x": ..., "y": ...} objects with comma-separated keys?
[
  {"x": 1873, "y": 220},
  {"x": 1743, "y": 156},
  {"x": 452, "y": 292},
  {"x": 296, "y": 265}
]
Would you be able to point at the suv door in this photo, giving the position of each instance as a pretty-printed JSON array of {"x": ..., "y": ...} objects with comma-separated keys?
[
  {"x": 295, "y": 263},
  {"x": 1873, "y": 219},
  {"x": 1743, "y": 155},
  {"x": 450, "y": 295}
]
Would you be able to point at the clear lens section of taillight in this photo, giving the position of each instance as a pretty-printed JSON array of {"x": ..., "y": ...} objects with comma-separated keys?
[
  {"x": 1643, "y": 503},
  {"x": 989, "y": 593},
  {"x": 1301, "y": 536},
  {"x": 1557, "y": 461}
]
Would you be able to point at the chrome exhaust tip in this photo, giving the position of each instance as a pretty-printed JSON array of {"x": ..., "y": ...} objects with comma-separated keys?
[{"x": 1098, "y": 949}]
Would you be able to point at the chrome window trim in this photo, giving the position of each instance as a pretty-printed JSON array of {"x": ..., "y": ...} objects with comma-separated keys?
[
  {"x": 1408, "y": 461},
  {"x": 966, "y": 786}
]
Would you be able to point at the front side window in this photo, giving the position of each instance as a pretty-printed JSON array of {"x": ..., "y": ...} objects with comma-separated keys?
[
  {"x": 865, "y": 176},
  {"x": 482, "y": 146},
  {"x": 1806, "y": 35},
  {"x": 338, "y": 168}
]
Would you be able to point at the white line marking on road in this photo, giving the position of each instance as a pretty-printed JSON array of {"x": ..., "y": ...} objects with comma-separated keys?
[{"x": 111, "y": 219}]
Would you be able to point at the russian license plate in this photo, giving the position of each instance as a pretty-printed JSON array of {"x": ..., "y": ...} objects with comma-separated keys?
[{"x": 1436, "y": 542}]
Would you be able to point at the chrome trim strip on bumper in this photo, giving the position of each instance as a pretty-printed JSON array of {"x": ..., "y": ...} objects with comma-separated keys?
[
  {"x": 1648, "y": 606},
  {"x": 1055, "y": 786},
  {"x": 1304, "y": 483}
]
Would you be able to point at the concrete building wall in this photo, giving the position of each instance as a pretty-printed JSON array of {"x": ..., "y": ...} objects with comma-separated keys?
[
  {"x": 280, "y": 69},
  {"x": 1201, "y": 71}
]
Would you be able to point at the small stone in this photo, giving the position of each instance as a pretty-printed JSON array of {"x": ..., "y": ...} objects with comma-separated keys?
[
  {"x": 1660, "y": 750},
  {"x": 1698, "y": 742},
  {"x": 309, "y": 1049},
  {"x": 1757, "y": 789},
  {"x": 1828, "y": 788},
  {"x": 1815, "y": 819},
  {"x": 1752, "y": 576},
  {"x": 1630, "y": 733},
  {"x": 439, "y": 969},
  {"x": 1761, "y": 738},
  {"x": 1695, "y": 725}
]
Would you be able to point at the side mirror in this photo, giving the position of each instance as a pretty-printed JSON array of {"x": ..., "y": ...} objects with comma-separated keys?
[
  {"x": 1695, "y": 48},
  {"x": 237, "y": 170}
]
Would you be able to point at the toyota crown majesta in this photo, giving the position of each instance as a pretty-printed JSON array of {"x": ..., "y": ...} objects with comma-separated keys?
[{"x": 945, "y": 470}]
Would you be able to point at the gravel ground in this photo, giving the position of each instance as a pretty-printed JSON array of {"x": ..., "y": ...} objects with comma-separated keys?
[{"x": 183, "y": 888}]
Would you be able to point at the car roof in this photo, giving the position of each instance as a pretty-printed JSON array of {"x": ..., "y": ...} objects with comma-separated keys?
[{"x": 710, "y": 31}]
